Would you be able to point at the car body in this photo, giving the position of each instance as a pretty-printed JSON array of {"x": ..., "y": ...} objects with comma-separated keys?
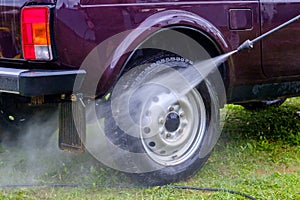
[{"x": 270, "y": 70}]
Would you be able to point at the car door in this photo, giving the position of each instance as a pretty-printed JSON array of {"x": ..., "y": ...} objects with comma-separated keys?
[{"x": 280, "y": 51}]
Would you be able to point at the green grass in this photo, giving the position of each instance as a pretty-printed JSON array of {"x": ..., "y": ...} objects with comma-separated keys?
[{"x": 258, "y": 154}]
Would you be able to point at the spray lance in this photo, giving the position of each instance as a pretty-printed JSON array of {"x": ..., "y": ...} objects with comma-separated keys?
[{"x": 248, "y": 44}]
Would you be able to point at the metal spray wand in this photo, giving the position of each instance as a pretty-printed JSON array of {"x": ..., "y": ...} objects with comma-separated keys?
[{"x": 248, "y": 44}]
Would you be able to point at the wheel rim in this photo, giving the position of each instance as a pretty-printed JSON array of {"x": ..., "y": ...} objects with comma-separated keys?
[{"x": 173, "y": 133}]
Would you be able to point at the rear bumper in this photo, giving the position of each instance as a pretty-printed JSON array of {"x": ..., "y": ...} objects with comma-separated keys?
[{"x": 40, "y": 82}]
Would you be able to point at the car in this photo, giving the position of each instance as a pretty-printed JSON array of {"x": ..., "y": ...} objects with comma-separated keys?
[{"x": 151, "y": 74}]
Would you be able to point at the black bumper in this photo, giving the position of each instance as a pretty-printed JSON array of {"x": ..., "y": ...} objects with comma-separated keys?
[{"x": 40, "y": 82}]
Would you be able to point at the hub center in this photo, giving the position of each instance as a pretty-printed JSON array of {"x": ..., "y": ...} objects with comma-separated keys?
[{"x": 172, "y": 122}]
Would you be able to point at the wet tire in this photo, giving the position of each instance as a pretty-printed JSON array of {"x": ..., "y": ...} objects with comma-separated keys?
[{"x": 177, "y": 138}]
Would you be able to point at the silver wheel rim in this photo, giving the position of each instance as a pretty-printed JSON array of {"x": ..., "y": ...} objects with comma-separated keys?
[{"x": 173, "y": 133}]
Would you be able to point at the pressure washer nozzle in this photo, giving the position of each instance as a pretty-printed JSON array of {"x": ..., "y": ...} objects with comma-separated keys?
[{"x": 246, "y": 45}]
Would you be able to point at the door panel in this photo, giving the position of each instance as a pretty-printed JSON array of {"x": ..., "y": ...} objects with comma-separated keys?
[{"x": 280, "y": 51}]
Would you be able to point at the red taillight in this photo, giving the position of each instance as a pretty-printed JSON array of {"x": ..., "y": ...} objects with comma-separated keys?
[{"x": 35, "y": 26}]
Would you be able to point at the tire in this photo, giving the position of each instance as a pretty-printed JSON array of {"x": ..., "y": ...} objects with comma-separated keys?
[
  {"x": 177, "y": 142},
  {"x": 259, "y": 105}
]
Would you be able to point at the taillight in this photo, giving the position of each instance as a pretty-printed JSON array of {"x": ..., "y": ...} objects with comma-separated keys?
[{"x": 35, "y": 28}]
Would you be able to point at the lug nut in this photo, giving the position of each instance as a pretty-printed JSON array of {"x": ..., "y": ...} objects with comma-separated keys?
[
  {"x": 161, "y": 121},
  {"x": 180, "y": 130},
  {"x": 181, "y": 114},
  {"x": 168, "y": 135},
  {"x": 171, "y": 108}
]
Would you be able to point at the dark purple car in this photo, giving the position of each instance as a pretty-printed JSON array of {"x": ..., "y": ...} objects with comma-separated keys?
[{"x": 143, "y": 71}]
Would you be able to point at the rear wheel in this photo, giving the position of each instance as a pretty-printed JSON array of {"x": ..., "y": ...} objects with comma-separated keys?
[{"x": 164, "y": 136}]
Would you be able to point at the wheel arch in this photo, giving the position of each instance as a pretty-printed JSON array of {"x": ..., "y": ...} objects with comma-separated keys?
[
  {"x": 203, "y": 38},
  {"x": 185, "y": 22}
]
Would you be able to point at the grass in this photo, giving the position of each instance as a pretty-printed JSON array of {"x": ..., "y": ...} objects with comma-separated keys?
[{"x": 258, "y": 154}]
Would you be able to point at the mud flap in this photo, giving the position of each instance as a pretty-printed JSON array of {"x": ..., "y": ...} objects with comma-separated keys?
[{"x": 72, "y": 125}]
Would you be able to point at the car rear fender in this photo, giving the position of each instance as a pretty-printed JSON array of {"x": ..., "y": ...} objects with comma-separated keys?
[{"x": 150, "y": 27}]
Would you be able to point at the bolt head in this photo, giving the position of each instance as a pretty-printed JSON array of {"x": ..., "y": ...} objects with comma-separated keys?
[{"x": 161, "y": 121}]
